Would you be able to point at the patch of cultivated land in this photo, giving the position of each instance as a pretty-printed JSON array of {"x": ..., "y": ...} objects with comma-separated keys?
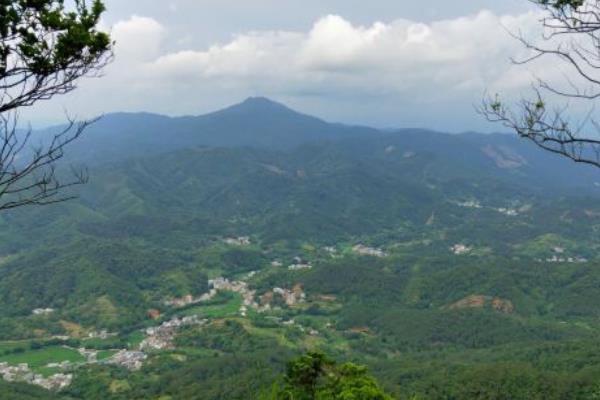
[
  {"x": 105, "y": 354},
  {"x": 12, "y": 345},
  {"x": 230, "y": 307},
  {"x": 42, "y": 357}
]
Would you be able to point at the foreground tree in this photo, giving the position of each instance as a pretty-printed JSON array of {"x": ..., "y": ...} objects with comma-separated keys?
[
  {"x": 315, "y": 377},
  {"x": 46, "y": 46},
  {"x": 571, "y": 36}
]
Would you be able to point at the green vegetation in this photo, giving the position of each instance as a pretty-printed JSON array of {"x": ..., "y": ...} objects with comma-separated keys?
[
  {"x": 511, "y": 315},
  {"x": 42, "y": 357},
  {"x": 21, "y": 391},
  {"x": 313, "y": 376},
  {"x": 225, "y": 305},
  {"x": 104, "y": 354}
]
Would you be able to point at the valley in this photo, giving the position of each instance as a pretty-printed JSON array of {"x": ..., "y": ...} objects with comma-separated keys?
[{"x": 188, "y": 269}]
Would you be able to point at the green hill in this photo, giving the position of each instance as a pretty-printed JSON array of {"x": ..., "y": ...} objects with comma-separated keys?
[{"x": 482, "y": 273}]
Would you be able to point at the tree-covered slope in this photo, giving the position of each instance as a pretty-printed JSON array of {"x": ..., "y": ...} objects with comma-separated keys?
[{"x": 479, "y": 259}]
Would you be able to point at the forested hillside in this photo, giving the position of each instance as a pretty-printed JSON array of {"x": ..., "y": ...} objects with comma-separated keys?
[{"x": 453, "y": 266}]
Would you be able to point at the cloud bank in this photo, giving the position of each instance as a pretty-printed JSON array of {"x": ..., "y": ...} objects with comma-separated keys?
[
  {"x": 384, "y": 73},
  {"x": 337, "y": 57}
]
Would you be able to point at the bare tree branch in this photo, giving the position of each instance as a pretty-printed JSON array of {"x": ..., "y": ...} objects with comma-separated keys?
[
  {"x": 46, "y": 47},
  {"x": 28, "y": 176},
  {"x": 571, "y": 35}
]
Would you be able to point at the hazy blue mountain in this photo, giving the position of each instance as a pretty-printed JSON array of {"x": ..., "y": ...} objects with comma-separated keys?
[
  {"x": 263, "y": 124},
  {"x": 256, "y": 122}
]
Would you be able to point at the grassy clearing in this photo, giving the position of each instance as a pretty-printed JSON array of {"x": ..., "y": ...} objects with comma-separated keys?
[
  {"x": 42, "y": 357},
  {"x": 46, "y": 372},
  {"x": 274, "y": 333},
  {"x": 134, "y": 339},
  {"x": 105, "y": 354},
  {"x": 13, "y": 345},
  {"x": 101, "y": 344},
  {"x": 184, "y": 352},
  {"x": 228, "y": 309}
]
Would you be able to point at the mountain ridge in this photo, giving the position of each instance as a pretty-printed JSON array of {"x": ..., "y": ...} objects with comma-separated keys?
[{"x": 261, "y": 123}]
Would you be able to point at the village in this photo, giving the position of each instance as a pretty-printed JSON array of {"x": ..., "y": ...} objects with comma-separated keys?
[
  {"x": 161, "y": 337},
  {"x": 476, "y": 204},
  {"x": 290, "y": 297},
  {"x": 156, "y": 338},
  {"x": 363, "y": 250},
  {"x": 22, "y": 373},
  {"x": 460, "y": 249},
  {"x": 560, "y": 256}
]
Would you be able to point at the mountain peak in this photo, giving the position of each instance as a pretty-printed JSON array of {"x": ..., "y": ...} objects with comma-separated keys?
[
  {"x": 261, "y": 103},
  {"x": 259, "y": 107},
  {"x": 260, "y": 100}
]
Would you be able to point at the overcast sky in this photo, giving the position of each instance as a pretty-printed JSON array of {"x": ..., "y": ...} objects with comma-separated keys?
[{"x": 385, "y": 63}]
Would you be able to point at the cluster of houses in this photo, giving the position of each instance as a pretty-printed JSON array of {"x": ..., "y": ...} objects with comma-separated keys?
[
  {"x": 460, "y": 249},
  {"x": 570, "y": 260},
  {"x": 511, "y": 212},
  {"x": 239, "y": 241},
  {"x": 189, "y": 299},
  {"x": 103, "y": 334},
  {"x": 157, "y": 338},
  {"x": 330, "y": 249},
  {"x": 291, "y": 322},
  {"x": 132, "y": 360},
  {"x": 481, "y": 301},
  {"x": 240, "y": 287},
  {"x": 216, "y": 285},
  {"x": 22, "y": 373},
  {"x": 90, "y": 355},
  {"x": 559, "y": 257},
  {"x": 369, "y": 251},
  {"x": 299, "y": 264},
  {"x": 291, "y": 297},
  {"x": 299, "y": 267},
  {"x": 43, "y": 311},
  {"x": 469, "y": 204},
  {"x": 161, "y": 337}
]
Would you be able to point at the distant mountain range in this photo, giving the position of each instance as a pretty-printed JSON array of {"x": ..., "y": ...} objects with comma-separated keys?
[
  {"x": 264, "y": 124},
  {"x": 257, "y": 122}
]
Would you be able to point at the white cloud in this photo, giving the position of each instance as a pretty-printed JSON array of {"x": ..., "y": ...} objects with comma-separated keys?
[
  {"x": 252, "y": 54},
  {"x": 138, "y": 39},
  {"x": 395, "y": 69},
  {"x": 461, "y": 54}
]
